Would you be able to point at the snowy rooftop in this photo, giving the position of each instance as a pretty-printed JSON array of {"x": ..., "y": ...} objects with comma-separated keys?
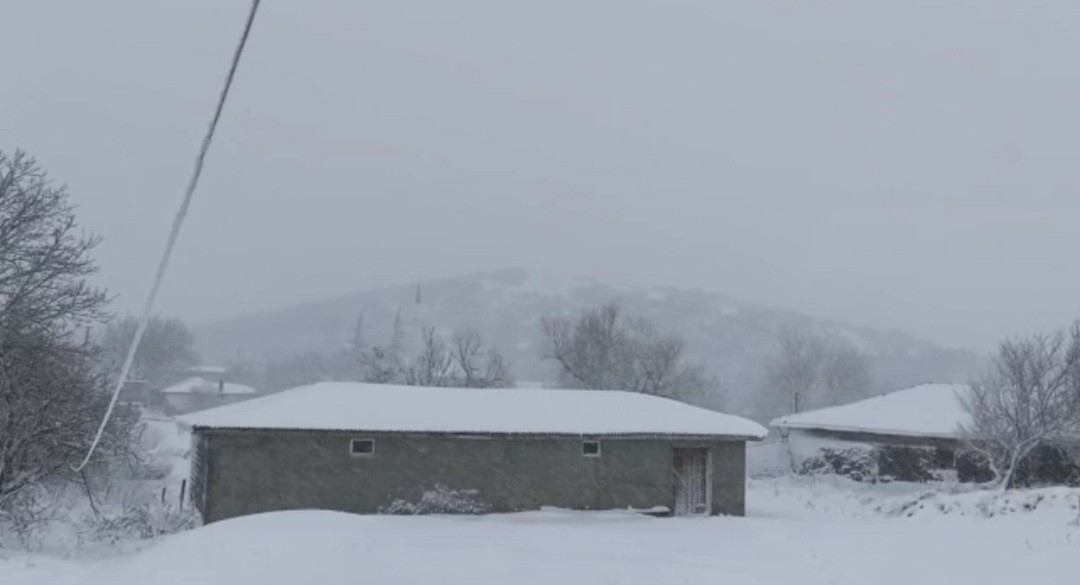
[
  {"x": 371, "y": 407},
  {"x": 929, "y": 410},
  {"x": 201, "y": 386}
]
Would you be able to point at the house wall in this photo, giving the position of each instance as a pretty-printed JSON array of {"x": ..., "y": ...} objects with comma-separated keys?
[{"x": 248, "y": 472}]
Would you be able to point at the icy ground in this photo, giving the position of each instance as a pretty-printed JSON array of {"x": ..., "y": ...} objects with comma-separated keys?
[{"x": 810, "y": 532}]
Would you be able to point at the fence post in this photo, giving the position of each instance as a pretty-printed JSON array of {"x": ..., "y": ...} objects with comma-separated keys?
[{"x": 183, "y": 491}]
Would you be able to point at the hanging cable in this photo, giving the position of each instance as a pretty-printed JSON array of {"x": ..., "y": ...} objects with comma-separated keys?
[{"x": 174, "y": 233}]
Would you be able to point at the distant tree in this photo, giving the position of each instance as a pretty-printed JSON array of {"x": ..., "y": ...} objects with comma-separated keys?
[
  {"x": 298, "y": 369},
  {"x": 398, "y": 339},
  {"x": 603, "y": 350},
  {"x": 52, "y": 394},
  {"x": 385, "y": 364},
  {"x": 166, "y": 350},
  {"x": 475, "y": 367},
  {"x": 434, "y": 365},
  {"x": 807, "y": 370},
  {"x": 795, "y": 369},
  {"x": 845, "y": 374},
  {"x": 380, "y": 365},
  {"x": 1030, "y": 396},
  {"x": 357, "y": 343}
]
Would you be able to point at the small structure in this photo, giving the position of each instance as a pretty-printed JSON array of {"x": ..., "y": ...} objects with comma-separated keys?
[
  {"x": 367, "y": 449},
  {"x": 908, "y": 435},
  {"x": 198, "y": 393},
  {"x": 135, "y": 393}
]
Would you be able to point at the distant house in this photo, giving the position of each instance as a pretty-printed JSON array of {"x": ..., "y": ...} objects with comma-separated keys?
[
  {"x": 373, "y": 448},
  {"x": 198, "y": 393},
  {"x": 209, "y": 373},
  {"x": 135, "y": 392},
  {"x": 908, "y": 435}
]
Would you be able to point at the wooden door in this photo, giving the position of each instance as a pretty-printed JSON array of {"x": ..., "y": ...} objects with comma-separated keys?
[{"x": 692, "y": 482}]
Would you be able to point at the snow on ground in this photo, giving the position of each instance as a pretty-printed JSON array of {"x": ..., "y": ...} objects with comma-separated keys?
[
  {"x": 808, "y": 531},
  {"x": 169, "y": 443}
]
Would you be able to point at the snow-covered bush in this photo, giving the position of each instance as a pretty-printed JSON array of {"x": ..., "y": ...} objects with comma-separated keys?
[
  {"x": 982, "y": 503},
  {"x": 137, "y": 522},
  {"x": 857, "y": 463},
  {"x": 441, "y": 500},
  {"x": 26, "y": 517},
  {"x": 897, "y": 463},
  {"x": 71, "y": 519}
]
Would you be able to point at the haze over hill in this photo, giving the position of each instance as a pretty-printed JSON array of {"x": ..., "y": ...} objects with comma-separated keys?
[{"x": 732, "y": 338}]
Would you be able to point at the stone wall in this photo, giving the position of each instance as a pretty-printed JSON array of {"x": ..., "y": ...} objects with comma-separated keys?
[{"x": 249, "y": 472}]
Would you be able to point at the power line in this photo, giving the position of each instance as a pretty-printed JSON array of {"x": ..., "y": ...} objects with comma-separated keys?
[{"x": 174, "y": 234}]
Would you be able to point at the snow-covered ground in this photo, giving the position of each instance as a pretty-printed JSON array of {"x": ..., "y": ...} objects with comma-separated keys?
[{"x": 799, "y": 530}]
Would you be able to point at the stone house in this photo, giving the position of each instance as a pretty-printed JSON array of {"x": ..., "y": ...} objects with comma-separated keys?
[
  {"x": 908, "y": 435},
  {"x": 368, "y": 449},
  {"x": 199, "y": 393}
]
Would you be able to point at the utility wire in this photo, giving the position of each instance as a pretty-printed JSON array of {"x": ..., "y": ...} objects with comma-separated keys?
[{"x": 174, "y": 234}]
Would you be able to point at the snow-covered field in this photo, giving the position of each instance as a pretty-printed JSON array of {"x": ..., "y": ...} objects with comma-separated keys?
[{"x": 806, "y": 531}]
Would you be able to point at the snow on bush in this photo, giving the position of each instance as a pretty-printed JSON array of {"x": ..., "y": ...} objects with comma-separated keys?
[
  {"x": 441, "y": 500},
  {"x": 859, "y": 464},
  {"x": 64, "y": 519},
  {"x": 983, "y": 503}
]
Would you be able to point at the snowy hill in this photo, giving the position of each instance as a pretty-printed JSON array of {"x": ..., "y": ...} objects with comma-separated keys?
[{"x": 732, "y": 337}]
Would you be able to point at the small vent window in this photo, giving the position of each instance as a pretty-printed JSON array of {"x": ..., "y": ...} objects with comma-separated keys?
[
  {"x": 590, "y": 448},
  {"x": 362, "y": 447}
]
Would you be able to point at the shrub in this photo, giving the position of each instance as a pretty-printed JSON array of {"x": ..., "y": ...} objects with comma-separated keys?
[{"x": 441, "y": 500}]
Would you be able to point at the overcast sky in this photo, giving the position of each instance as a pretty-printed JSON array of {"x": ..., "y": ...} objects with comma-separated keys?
[{"x": 908, "y": 164}]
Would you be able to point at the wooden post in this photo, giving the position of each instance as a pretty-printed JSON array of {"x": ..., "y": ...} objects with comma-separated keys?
[{"x": 183, "y": 491}]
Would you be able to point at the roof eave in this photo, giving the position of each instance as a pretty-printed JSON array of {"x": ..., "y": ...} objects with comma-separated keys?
[{"x": 502, "y": 434}]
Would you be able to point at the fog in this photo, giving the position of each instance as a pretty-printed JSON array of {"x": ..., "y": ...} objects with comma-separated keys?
[{"x": 900, "y": 164}]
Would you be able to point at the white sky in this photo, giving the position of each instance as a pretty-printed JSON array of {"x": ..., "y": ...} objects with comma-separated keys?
[{"x": 900, "y": 164}]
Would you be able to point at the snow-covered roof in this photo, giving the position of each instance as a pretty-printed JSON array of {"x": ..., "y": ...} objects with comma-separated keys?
[
  {"x": 198, "y": 385},
  {"x": 372, "y": 407},
  {"x": 928, "y": 410}
]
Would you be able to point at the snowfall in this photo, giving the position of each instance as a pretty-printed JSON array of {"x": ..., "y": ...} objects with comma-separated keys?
[{"x": 805, "y": 530}]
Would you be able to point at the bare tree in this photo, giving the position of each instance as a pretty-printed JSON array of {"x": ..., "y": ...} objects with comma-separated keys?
[
  {"x": 809, "y": 370},
  {"x": 593, "y": 351},
  {"x": 52, "y": 395},
  {"x": 380, "y": 365},
  {"x": 497, "y": 372},
  {"x": 465, "y": 353},
  {"x": 845, "y": 374},
  {"x": 1030, "y": 396},
  {"x": 475, "y": 367},
  {"x": 434, "y": 365},
  {"x": 602, "y": 350},
  {"x": 795, "y": 369},
  {"x": 167, "y": 348}
]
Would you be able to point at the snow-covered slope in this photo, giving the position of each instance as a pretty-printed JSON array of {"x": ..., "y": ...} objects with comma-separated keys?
[
  {"x": 380, "y": 407},
  {"x": 927, "y": 410},
  {"x": 731, "y": 337}
]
